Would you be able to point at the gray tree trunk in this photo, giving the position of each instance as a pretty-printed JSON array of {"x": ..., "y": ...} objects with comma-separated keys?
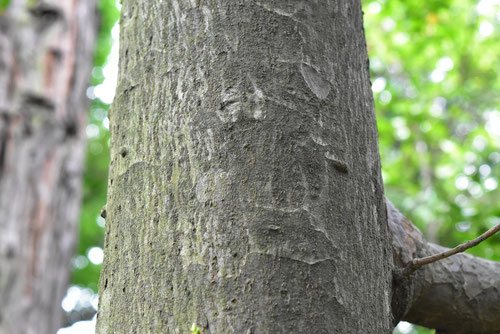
[
  {"x": 245, "y": 189},
  {"x": 45, "y": 62}
]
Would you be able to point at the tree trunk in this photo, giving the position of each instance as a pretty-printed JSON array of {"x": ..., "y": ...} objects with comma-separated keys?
[
  {"x": 45, "y": 62},
  {"x": 245, "y": 189}
]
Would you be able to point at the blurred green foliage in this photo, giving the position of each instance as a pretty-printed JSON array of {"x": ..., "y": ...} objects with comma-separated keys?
[
  {"x": 85, "y": 273},
  {"x": 435, "y": 74},
  {"x": 3, "y": 5},
  {"x": 109, "y": 15},
  {"x": 435, "y": 69}
]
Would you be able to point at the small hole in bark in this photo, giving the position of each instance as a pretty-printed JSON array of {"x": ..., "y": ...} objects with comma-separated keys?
[
  {"x": 70, "y": 129},
  {"x": 123, "y": 152},
  {"x": 46, "y": 15},
  {"x": 40, "y": 101}
]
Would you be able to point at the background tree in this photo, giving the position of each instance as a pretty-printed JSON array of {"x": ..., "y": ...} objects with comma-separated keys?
[
  {"x": 45, "y": 59},
  {"x": 173, "y": 154}
]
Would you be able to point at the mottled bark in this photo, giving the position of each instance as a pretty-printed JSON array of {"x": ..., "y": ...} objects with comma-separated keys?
[
  {"x": 245, "y": 189},
  {"x": 45, "y": 62},
  {"x": 457, "y": 295}
]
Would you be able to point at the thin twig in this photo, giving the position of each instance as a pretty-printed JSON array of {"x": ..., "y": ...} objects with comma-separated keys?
[{"x": 417, "y": 263}]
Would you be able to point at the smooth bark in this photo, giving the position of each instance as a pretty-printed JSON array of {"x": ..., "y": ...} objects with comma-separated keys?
[
  {"x": 245, "y": 190},
  {"x": 45, "y": 62}
]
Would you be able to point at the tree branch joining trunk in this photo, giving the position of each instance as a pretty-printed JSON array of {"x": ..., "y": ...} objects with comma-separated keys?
[{"x": 459, "y": 294}]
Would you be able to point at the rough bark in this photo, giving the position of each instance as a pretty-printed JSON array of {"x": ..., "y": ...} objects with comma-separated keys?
[
  {"x": 245, "y": 190},
  {"x": 45, "y": 62},
  {"x": 458, "y": 295}
]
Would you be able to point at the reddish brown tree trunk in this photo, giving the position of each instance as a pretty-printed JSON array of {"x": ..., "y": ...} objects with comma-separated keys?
[{"x": 45, "y": 61}]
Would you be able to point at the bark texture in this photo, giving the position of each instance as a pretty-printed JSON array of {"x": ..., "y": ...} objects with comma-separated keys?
[
  {"x": 45, "y": 62},
  {"x": 245, "y": 190},
  {"x": 458, "y": 295}
]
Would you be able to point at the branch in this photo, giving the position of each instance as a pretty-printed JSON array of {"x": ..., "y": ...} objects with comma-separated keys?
[
  {"x": 419, "y": 262},
  {"x": 459, "y": 294}
]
